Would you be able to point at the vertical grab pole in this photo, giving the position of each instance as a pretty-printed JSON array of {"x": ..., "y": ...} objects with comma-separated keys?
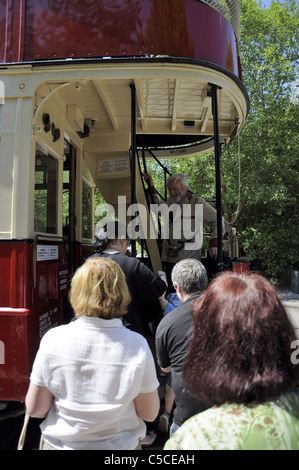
[
  {"x": 133, "y": 154},
  {"x": 217, "y": 148}
]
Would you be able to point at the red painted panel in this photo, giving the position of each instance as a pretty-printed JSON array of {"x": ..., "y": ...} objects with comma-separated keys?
[
  {"x": 13, "y": 334},
  {"x": 17, "y": 263},
  {"x": 57, "y": 280},
  {"x": 26, "y": 312},
  {"x": 21, "y": 275},
  {"x": 20, "y": 334},
  {"x": 16, "y": 274},
  {"x": 5, "y": 275},
  {"x": 97, "y": 28},
  {"x": 12, "y": 23}
]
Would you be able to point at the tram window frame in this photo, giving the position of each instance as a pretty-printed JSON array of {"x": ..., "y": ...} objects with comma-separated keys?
[
  {"x": 87, "y": 217},
  {"x": 45, "y": 192}
]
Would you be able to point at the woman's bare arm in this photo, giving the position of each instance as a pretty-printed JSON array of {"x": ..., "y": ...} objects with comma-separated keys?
[
  {"x": 147, "y": 405},
  {"x": 38, "y": 401}
]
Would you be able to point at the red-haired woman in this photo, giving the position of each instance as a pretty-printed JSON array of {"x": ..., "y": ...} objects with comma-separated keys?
[{"x": 240, "y": 364}]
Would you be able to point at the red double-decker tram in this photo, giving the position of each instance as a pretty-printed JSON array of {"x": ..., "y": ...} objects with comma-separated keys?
[{"x": 84, "y": 85}]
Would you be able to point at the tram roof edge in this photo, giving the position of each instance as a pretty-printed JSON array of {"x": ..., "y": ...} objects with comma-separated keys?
[{"x": 132, "y": 60}]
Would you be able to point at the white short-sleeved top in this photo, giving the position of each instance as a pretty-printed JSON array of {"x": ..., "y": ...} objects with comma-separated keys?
[{"x": 94, "y": 368}]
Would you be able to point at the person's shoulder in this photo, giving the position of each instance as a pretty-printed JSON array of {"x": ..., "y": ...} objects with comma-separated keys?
[
  {"x": 135, "y": 338},
  {"x": 137, "y": 263},
  {"x": 199, "y": 199},
  {"x": 55, "y": 333},
  {"x": 171, "y": 318},
  {"x": 93, "y": 255},
  {"x": 173, "y": 299},
  {"x": 195, "y": 198},
  {"x": 122, "y": 259}
]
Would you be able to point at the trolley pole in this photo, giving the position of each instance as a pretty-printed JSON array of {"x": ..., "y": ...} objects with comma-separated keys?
[
  {"x": 133, "y": 154},
  {"x": 217, "y": 147}
]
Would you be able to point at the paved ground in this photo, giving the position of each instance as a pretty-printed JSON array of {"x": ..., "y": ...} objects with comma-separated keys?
[
  {"x": 286, "y": 294},
  {"x": 290, "y": 301},
  {"x": 11, "y": 424}
]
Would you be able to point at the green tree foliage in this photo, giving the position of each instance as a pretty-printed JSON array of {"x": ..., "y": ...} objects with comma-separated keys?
[{"x": 269, "y": 220}]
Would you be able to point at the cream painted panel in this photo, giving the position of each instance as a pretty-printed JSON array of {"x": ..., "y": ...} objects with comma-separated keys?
[
  {"x": 15, "y": 168},
  {"x": 23, "y": 171},
  {"x": 6, "y": 184},
  {"x": 56, "y": 110},
  {"x": 8, "y": 115}
]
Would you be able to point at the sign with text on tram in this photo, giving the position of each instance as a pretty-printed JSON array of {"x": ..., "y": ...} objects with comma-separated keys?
[
  {"x": 113, "y": 166},
  {"x": 47, "y": 252}
]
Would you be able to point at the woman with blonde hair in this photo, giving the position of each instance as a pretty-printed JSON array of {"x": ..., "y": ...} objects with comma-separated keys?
[{"x": 94, "y": 380}]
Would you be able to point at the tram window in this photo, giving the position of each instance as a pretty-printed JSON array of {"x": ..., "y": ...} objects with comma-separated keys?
[
  {"x": 66, "y": 198},
  {"x": 87, "y": 220},
  {"x": 45, "y": 195}
]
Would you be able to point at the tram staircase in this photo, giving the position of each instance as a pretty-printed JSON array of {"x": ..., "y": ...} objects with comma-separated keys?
[
  {"x": 112, "y": 188},
  {"x": 115, "y": 186}
]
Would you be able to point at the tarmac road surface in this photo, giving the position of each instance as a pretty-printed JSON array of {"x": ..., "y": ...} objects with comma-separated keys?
[{"x": 11, "y": 425}]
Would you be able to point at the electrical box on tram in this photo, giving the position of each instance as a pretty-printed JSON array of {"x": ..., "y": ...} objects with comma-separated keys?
[{"x": 84, "y": 85}]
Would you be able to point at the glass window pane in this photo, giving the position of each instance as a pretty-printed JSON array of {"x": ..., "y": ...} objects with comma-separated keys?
[
  {"x": 45, "y": 196},
  {"x": 87, "y": 231}
]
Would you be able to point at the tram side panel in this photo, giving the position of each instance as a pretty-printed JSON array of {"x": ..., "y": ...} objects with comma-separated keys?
[
  {"x": 33, "y": 277},
  {"x": 14, "y": 360},
  {"x": 33, "y": 285}
]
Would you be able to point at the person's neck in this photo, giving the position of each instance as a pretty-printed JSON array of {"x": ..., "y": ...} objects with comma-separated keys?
[
  {"x": 111, "y": 250},
  {"x": 187, "y": 296},
  {"x": 118, "y": 246}
]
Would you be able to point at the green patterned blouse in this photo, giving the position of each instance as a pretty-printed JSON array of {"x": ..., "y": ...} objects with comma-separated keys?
[{"x": 270, "y": 426}]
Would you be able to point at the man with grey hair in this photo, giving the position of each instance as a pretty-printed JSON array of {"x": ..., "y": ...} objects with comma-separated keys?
[
  {"x": 180, "y": 242},
  {"x": 174, "y": 334}
]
